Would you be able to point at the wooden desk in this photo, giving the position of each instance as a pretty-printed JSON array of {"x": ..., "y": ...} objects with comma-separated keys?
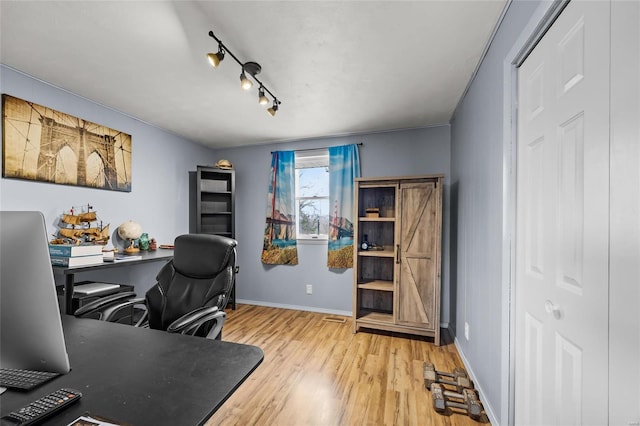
[
  {"x": 141, "y": 376},
  {"x": 69, "y": 272}
]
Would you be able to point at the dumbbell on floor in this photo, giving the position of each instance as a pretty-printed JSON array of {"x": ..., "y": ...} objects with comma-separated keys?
[
  {"x": 457, "y": 378},
  {"x": 467, "y": 400}
]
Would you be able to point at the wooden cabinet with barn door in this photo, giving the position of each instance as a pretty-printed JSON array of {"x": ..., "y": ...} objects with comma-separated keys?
[{"x": 397, "y": 261}]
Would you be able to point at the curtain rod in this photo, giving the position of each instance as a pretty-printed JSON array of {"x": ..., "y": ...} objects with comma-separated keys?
[{"x": 322, "y": 147}]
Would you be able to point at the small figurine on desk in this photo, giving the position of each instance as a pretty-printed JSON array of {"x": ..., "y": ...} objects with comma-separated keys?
[
  {"x": 153, "y": 244},
  {"x": 143, "y": 241}
]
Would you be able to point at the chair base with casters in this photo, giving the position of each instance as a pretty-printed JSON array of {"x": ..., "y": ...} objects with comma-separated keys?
[{"x": 190, "y": 295}]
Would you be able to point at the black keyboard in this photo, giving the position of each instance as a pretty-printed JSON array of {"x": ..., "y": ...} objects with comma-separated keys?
[{"x": 24, "y": 379}]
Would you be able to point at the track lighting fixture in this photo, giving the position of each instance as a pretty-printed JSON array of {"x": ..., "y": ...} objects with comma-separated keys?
[
  {"x": 245, "y": 83},
  {"x": 262, "y": 99},
  {"x": 216, "y": 58},
  {"x": 250, "y": 68},
  {"x": 274, "y": 108}
]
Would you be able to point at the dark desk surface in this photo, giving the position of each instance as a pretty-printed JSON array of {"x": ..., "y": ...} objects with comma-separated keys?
[
  {"x": 147, "y": 256},
  {"x": 143, "y": 377}
]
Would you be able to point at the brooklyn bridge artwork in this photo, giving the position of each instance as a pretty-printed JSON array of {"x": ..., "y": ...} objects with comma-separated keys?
[{"x": 42, "y": 144}]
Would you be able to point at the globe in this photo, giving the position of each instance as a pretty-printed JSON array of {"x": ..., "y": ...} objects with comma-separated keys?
[{"x": 130, "y": 231}]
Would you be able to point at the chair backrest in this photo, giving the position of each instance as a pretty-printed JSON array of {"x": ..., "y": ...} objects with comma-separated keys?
[{"x": 201, "y": 273}]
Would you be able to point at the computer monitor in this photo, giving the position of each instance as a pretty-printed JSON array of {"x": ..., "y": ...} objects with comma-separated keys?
[{"x": 31, "y": 336}]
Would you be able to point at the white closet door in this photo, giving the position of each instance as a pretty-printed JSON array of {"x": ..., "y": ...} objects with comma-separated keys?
[{"x": 562, "y": 237}]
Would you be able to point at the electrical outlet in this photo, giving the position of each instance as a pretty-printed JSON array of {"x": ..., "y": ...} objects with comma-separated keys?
[
  {"x": 466, "y": 330},
  {"x": 309, "y": 289}
]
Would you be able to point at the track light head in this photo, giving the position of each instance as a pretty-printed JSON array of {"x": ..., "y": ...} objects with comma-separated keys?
[
  {"x": 216, "y": 58},
  {"x": 253, "y": 68},
  {"x": 262, "y": 99},
  {"x": 245, "y": 83},
  {"x": 273, "y": 109}
]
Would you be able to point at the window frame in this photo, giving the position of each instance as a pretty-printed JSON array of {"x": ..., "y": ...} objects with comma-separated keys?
[{"x": 316, "y": 158}]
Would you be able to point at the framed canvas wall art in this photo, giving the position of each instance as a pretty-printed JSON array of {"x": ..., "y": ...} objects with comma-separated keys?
[{"x": 45, "y": 145}]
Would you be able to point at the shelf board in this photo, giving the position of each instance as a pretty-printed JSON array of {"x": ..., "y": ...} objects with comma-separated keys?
[
  {"x": 376, "y": 219},
  {"x": 377, "y": 285},
  {"x": 377, "y": 253},
  {"x": 221, "y": 233},
  {"x": 373, "y": 317},
  {"x": 376, "y": 185},
  {"x": 204, "y": 191},
  {"x": 212, "y": 229}
]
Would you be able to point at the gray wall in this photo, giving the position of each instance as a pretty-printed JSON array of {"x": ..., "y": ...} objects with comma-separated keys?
[
  {"x": 160, "y": 197},
  {"x": 477, "y": 198},
  {"x": 160, "y": 164},
  {"x": 398, "y": 153},
  {"x": 624, "y": 247}
]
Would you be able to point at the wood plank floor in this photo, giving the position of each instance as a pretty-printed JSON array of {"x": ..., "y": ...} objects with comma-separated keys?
[{"x": 317, "y": 372}]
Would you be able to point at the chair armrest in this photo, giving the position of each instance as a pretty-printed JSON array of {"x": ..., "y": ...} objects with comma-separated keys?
[
  {"x": 191, "y": 322},
  {"x": 110, "y": 311},
  {"x": 97, "y": 305}
]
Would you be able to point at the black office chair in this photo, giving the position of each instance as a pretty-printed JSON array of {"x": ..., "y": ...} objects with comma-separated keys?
[{"x": 191, "y": 292}]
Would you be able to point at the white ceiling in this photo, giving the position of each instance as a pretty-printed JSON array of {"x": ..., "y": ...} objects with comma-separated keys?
[{"x": 338, "y": 67}]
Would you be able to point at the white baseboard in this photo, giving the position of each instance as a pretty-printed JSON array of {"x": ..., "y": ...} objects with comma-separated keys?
[
  {"x": 312, "y": 309},
  {"x": 487, "y": 407},
  {"x": 295, "y": 307},
  {"x": 451, "y": 331}
]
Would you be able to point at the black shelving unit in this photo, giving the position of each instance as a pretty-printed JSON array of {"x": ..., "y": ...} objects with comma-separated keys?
[
  {"x": 215, "y": 205},
  {"x": 215, "y": 201}
]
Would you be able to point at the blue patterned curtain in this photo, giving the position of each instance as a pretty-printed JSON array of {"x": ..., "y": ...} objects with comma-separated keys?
[
  {"x": 344, "y": 167},
  {"x": 279, "y": 244}
]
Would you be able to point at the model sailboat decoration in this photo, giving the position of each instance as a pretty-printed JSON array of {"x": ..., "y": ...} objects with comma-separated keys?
[{"x": 82, "y": 228}]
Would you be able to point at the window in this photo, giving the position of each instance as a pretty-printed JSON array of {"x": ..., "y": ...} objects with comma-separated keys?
[{"x": 312, "y": 194}]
